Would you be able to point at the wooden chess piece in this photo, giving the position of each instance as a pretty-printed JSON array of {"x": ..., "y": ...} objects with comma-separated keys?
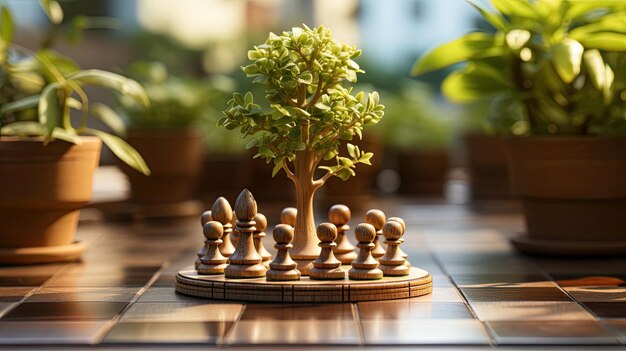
[
  {"x": 340, "y": 215},
  {"x": 245, "y": 262},
  {"x": 288, "y": 216},
  {"x": 365, "y": 267},
  {"x": 392, "y": 264},
  {"x": 326, "y": 266},
  {"x": 213, "y": 262},
  {"x": 400, "y": 251},
  {"x": 223, "y": 213},
  {"x": 205, "y": 217},
  {"x": 259, "y": 234},
  {"x": 377, "y": 219},
  {"x": 283, "y": 268},
  {"x": 234, "y": 236}
]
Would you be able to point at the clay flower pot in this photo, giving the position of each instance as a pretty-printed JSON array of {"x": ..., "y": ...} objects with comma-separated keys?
[
  {"x": 175, "y": 160},
  {"x": 487, "y": 162},
  {"x": 423, "y": 173},
  {"x": 573, "y": 191},
  {"x": 43, "y": 189}
]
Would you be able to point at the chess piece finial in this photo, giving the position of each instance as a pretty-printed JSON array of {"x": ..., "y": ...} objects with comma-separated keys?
[
  {"x": 223, "y": 213},
  {"x": 245, "y": 262},
  {"x": 283, "y": 268},
  {"x": 326, "y": 266},
  {"x": 377, "y": 219},
  {"x": 213, "y": 262},
  {"x": 392, "y": 264},
  {"x": 288, "y": 216},
  {"x": 365, "y": 267},
  {"x": 259, "y": 234},
  {"x": 400, "y": 251},
  {"x": 340, "y": 215},
  {"x": 205, "y": 217}
]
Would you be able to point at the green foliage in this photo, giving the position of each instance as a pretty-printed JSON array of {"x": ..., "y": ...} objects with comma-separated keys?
[
  {"x": 552, "y": 64},
  {"x": 310, "y": 111},
  {"x": 38, "y": 91}
]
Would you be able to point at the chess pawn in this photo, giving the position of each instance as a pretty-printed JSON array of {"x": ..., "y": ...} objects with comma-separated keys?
[
  {"x": 259, "y": 234},
  {"x": 223, "y": 213},
  {"x": 392, "y": 264},
  {"x": 213, "y": 262},
  {"x": 206, "y": 217},
  {"x": 400, "y": 251},
  {"x": 288, "y": 216},
  {"x": 340, "y": 215},
  {"x": 245, "y": 262},
  {"x": 234, "y": 236},
  {"x": 377, "y": 219},
  {"x": 283, "y": 268},
  {"x": 326, "y": 266},
  {"x": 365, "y": 267}
]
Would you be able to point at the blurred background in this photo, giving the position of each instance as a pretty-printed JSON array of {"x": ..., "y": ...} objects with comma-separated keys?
[{"x": 188, "y": 55}]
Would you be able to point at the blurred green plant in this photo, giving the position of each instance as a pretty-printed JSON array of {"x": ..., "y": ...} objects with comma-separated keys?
[
  {"x": 310, "y": 114},
  {"x": 415, "y": 120},
  {"x": 38, "y": 91},
  {"x": 551, "y": 67}
]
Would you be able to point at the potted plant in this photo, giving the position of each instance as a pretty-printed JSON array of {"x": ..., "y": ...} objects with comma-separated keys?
[
  {"x": 166, "y": 135},
  {"x": 563, "y": 64},
  {"x": 419, "y": 132},
  {"x": 311, "y": 113},
  {"x": 47, "y": 161}
]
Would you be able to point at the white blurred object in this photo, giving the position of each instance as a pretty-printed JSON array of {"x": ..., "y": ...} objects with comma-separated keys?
[
  {"x": 340, "y": 17},
  {"x": 388, "y": 181}
]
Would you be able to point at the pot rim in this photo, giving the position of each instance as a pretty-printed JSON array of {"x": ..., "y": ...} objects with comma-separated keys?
[
  {"x": 36, "y": 139},
  {"x": 164, "y": 133}
]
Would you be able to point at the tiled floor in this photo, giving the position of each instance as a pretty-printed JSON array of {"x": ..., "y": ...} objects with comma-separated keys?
[{"x": 485, "y": 294}]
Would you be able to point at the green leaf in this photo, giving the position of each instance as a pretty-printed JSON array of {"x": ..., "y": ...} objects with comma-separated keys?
[
  {"x": 305, "y": 78},
  {"x": 495, "y": 19},
  {"x": 468, "y": 47},
  {"x": 280, "y": 109},
  {"x": 62, "y": 134},
  {"x": 515, "y": 8},
  {"x": 474, "y": 82},
  {"x": 278, "y": 165},
  {"x": 566, "y": 59},
  {"x": 121, "y": 149},
  {"x": 53, "y": 10},
  {"x": 605, "y": 41},
  {"x": 25, "y": 128},
  {"x": 594, "y": 64},
  {"x": 121, "y": 84},
  {"x": 352, "y": 151},
  {"x": 109, "y": 117},
  {"x": 365, "y": 158},
  {"x": 517, "y": 38},
  {"x": 20, "y": 105},
  {"x": 6, "y": 25},
  {"x": 49, "y": 110}
]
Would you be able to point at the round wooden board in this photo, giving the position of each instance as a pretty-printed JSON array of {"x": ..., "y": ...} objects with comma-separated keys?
[{"x": 417, "y": 283}]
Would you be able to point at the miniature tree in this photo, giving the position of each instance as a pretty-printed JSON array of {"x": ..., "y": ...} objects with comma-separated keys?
[{"x": 311, "y": 113}]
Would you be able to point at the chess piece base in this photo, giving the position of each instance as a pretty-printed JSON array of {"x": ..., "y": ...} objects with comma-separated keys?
[
  {"x": 304, "y": 265},
  {"x": 273, "y": 275},
  {"x": 365, "y": 274},
  {"x": 305, "y": 290},
  {"x": 327, "y": 274},
  {"x": 213, "y": 269},
  {"x": 346, "y": 258},
  {"x": 394, "y": 271},
  {"x": 237, "y": 271}
]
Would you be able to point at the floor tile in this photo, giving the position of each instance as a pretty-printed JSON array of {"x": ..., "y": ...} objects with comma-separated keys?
[
  {"x": 598, "y": 294},
  {"x": 553, "y": 332},
  {"x": 165, "y": 280},
  {"x": 13, "y": 294},
  {"x": 47, "y": 333},
  {"x": 580, "y": 280},
  {"x": 83, "y": 294},
  {"x": 286, "y": 312},
  {"x": 618, "y": 327},
  {"x": 516, "y": 311},
  {"x": 12, "y": 281},
  {"x": 257, "y": 332},
  {"x": 401, "y": 310},
  {"x": 607, "y": 309},
  {"x": 183, "y": 311},
  {"x": 439, "y": 294},
  {"x": 514, "y": 294},
  {"x": 62, "y": 311},
  {"x": 168, "y": 332},
  {"x": 5, "y": 306},
  {"x": 100, "y": 280},
  {"x": 498, "y": 280},
  {"x": 111, "y": 269},
  {"x": 164, "y": 294},
  {"x": 423, "y": 332}
]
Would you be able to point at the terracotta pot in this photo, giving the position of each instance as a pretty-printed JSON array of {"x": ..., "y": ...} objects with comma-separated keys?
[
  {"x": 487, "y": 162},
  {"x": 43, "y": 188},
  {"x": 175, "y": 160},
  {"x": 573, "y": 189},
  {"x": 423, "y": 173}
]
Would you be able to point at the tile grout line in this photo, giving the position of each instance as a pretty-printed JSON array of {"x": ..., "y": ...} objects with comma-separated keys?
[
  {"x": 222, "y": 339},
  {"x": 359, "y": 325}
]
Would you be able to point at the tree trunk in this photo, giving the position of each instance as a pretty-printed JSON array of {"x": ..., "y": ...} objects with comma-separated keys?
[{"x": 305, "y": 243}]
